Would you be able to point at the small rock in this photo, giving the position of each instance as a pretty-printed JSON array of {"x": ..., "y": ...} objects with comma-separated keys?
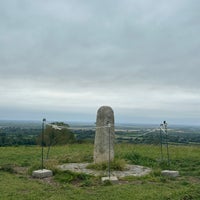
[
  {"x": 170, "y": 173},
  {"x": 42, "y": 173},
  {"x": 112, "y": 179}
]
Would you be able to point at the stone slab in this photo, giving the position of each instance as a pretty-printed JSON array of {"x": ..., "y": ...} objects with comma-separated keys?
[
  {"x": 42, "y": 173},
  {"x": 112, "y": 179},
  {"x": 130, "y": 170},
  {"x": 170, "y": 173}
]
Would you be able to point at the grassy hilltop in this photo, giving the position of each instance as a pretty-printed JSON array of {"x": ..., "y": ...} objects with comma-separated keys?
[{"x": 16, "y": 164}]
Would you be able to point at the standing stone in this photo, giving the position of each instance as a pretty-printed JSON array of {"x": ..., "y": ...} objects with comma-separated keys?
[{"x": 105, "y": 135}]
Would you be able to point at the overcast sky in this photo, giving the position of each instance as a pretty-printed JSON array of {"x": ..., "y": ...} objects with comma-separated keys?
[{"x": 64, "y": 59}]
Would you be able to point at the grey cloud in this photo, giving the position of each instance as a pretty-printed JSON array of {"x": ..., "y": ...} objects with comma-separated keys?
[{"x": 100, "y": 46}]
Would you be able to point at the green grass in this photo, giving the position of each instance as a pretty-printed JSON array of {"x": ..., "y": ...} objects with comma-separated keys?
[
  {"x": 68, "y": 185},
  {"x": 116, "y": 164}
]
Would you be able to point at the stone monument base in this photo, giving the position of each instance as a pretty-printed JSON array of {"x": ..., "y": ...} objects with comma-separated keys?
[
  {"x": 112, "y": 179},
  {"x": 42, "y": 173},
  {"x": 170, "y": 173}
]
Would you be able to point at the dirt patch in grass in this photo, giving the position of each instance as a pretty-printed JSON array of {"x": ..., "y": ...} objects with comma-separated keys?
[
  {"x": 192, "y": 179},
  {"x": 49, "y": 181},
  {"x": 20, "y": 170}
]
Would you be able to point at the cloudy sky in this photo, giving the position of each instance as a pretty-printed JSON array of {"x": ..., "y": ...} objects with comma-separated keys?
[{"x": 64, "y": 59}]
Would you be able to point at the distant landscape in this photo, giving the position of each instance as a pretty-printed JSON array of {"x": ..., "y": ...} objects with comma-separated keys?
[
  {"x": 136, "y": 144},
  {"x": 27, "y": 132}
]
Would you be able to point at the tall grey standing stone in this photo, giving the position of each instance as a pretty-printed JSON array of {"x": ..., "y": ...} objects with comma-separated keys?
[{"x": 105, "y": 134}]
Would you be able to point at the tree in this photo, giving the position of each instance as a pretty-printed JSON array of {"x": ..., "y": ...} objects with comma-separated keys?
[
  {"x": 2, "y": 138},
  {"x": 56, "y": 133}
]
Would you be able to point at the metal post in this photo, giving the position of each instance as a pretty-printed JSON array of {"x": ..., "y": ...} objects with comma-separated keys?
[
  {"x": 43, "y": 125},
  {"x": 165, "y": 126},
  {"x": 109, "y": 151},
  {"x": 161, "y": 149}
]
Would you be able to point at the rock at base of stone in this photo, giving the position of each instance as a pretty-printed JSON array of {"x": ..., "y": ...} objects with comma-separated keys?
[
  {"x": 112, "y": 179},
  {"x": 42, "y": 173},
  {"x": 170, "y": 173}
]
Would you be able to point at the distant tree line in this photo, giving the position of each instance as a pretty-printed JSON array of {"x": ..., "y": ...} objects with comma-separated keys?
[
  {"x": 54, "y": 135},
  {"x": 10, "y": 136},
  {"x": 84, "y": 135},
  {"x": 155, "y": 138},
  {"x": 18, "y": 136}
]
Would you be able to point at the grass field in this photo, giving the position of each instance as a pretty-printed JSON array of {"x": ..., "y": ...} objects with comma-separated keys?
[{"x": 16, "y": 164}]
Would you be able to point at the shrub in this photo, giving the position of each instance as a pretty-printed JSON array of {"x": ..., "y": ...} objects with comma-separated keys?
[
  {"x": 69, "y": 177},
  {"x": 7, "y": 168},
  {"x": 137, "y": 159},
  {"x": 107, "y": 183}
]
